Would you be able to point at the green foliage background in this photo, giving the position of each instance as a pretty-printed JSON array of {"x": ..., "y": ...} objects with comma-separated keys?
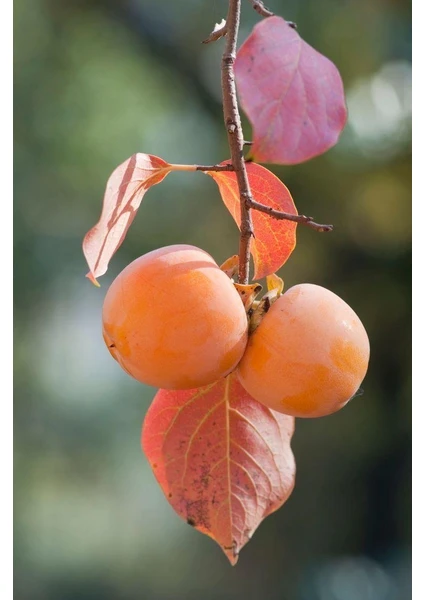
[{"x": 96, "y": 81}]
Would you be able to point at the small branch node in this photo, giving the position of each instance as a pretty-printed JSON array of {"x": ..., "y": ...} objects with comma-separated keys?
[
  {"x": 258, "y": 5},
  {"x": 247, "y": 230},
  {"x": 262, "y": 10},
  {"x": 229, "y": 59},
  {"x": 218, "y": 32}
]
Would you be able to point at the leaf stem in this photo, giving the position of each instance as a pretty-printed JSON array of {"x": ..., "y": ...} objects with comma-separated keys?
[
  {"x": 235, "y": 137},
  {"x": 228, "y": 167}
]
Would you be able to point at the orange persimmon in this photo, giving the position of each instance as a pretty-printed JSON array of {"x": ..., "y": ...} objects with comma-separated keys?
[
  {"x": 308, "y": 356},
  {"x": 172, "y": 319}
]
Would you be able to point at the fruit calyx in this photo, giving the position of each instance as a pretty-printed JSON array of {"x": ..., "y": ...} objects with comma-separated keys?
[{"x": 260, "y": 307}]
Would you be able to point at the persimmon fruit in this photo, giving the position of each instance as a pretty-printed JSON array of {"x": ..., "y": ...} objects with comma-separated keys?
[
  {"x": 308, "y": 356},
  {"x": 173, "y": 319}
]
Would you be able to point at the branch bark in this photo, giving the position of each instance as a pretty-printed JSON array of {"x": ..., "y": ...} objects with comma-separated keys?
[
  {"x": 262, "y": 10},
  {"x": 235, "y": 137},
  {"x": 278, "y": 214},
  {"x": 227, "y": 167},
  {"x": 219, "y": 31}
]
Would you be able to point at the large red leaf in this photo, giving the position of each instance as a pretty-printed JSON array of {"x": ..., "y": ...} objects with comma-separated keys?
[
  {"x": 274, "y": 240},
  {"x": 292, "y": 94},
  {"x": 222, "y": 459},
  {"x": 124, "y": 192}
]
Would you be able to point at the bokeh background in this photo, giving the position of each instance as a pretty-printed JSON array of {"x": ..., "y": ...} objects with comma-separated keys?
[{"x": 96, "y": 81}]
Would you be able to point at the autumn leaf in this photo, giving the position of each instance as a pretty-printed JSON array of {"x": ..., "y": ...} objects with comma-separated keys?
[
  {"x": 124, "y": 192},
  {"x": 223, "y": 460},
  {"x": 274, "y": 239},
  {"x": 292, "y": 94}
]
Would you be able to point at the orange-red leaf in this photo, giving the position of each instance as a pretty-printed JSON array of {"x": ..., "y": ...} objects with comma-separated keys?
[
  {"x": 124, "y": 192},
  {"x": 274, "y": 240},
  {"x": 292, "y": 94},
  {"x": 222, "y": 459}
]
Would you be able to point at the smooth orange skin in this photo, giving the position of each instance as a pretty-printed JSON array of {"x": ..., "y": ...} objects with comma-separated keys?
[
  {"x": 173, "y": 319},
  {"x": 308, "y": 356}
]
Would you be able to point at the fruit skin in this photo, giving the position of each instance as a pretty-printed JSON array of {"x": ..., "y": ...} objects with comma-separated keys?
[
  {"x": 173, "y": 319},
  {"x": 308, "y": 356}
]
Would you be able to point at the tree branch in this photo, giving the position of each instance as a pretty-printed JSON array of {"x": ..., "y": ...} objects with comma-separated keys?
[
  {"x": 261, "y": 9},
  {"x": 235, "y": 137},
  {"x": 278, "y": 214},
  {"x": 218, "y": 31}
]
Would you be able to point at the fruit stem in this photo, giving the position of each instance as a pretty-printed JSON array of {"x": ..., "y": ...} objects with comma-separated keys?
[{"x": 235, "y": 137}]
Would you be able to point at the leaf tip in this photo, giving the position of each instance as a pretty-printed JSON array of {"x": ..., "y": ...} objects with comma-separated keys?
[
  {"x": 93, "y": 280},
  {"x": 232, "y": 554}
]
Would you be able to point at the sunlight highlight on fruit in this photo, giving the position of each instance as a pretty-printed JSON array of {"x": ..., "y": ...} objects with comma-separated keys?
[
  {"x": 173, "y": 319},
  {"x": 309, "y": 354}
]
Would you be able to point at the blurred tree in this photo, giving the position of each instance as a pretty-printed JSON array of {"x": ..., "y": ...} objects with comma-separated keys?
[{"x": 96, "y": 81}]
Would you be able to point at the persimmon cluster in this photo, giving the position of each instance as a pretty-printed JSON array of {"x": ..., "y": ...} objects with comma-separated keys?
[{"x": 174, "y": 319}]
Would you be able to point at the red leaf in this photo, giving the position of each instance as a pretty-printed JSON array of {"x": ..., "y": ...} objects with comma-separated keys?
[
  {"x": 124, "y": 192},
  {"x": 292, "y": 94},
  {"x": 274, "y": 240},
  {"x": 222, "y": 459}
]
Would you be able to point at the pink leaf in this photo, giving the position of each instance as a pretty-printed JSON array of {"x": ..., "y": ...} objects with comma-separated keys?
[
  {"x": 292, "y": 94},
  {"x": 124, "y": 192},
  {"x": 223, "y": 460}
]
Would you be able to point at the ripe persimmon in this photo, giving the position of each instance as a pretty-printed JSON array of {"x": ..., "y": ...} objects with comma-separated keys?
[
  {"x": 173, "y": 319},
  {"x": 309, "y": 354}
]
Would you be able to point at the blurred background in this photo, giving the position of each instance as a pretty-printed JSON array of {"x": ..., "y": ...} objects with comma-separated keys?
[{"x": 96, "y": 81}]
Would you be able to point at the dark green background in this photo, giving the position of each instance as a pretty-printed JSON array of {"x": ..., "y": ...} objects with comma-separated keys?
[{"x": 96, "y": 81}]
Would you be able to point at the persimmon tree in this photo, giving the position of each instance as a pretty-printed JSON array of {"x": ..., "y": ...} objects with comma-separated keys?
[{"x": 222, "y": 456}]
